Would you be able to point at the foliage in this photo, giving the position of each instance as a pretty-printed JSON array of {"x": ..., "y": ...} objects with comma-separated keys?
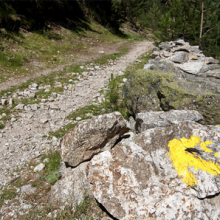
[
  {"x": 184, "y": 20},
  {"x": 1, "y": 125}
]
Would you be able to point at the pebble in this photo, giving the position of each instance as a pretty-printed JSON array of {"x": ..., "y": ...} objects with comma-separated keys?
[
  {"x": 39, "y": 168},
  {"x": 19, "y": 107},
  {"x": 78, "y": 118}
]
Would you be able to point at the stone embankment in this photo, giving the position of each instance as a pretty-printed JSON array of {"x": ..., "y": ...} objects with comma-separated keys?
[
  {"x": 166, "y": 167},
  {"x": 179, "y": 77}
]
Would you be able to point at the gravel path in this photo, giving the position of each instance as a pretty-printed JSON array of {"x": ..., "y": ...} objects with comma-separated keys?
[{"x": 23, "y": 140}]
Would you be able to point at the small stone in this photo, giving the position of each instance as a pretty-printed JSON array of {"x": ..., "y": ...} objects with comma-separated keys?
[
  {"x": 54, "y": 94},
  {"x": 101, "y": 51},
  {"x": 193, "y": 57},
  {"x": 19, "y": 107},
  {"x": 78, "y": 118},
  {"x": 31, "y": 95},
  {"x": 4, "y": 101},
  {"x": 10, "y": 102},
  {"x": 34, "y": 107},
  {"x": 43, "y": 120},
  {"x": 39, "y": 168},
  {"x": 13, "y": 119},
  {"x": 28, "y": 189},
  {"x": 81, "y": 67},
  {"x": 46, "y": 160},
  {"x": 37, "y": 154},
  {"x": 124, "y": 80},
  {"x": 34, "y": 85}
]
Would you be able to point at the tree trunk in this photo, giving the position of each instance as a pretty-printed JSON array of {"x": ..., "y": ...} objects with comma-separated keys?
[{"x": 201, "y": 25}]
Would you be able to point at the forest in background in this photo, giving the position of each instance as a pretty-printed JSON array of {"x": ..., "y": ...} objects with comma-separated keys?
[{"x": 195, "y": 21}]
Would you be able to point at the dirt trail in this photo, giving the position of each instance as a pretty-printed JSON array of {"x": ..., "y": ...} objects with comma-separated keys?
[
  {"x": 89, "y": 55},
  {"x": 23, "y": 140}
]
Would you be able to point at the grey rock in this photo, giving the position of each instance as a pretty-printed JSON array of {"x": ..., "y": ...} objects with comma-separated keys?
[
  {"x": 54, "y": 106},
  {"x": 28, "y": 189},
  {"x": 43, "y": 120},
  {"x": 10, "y": 102},
  {"x": 193, "y": 67},
  {"x": 185, "y": 48},
  {"x": 180, "y": 57},
  {"x": 132, "y": 123},
  {"x": 147, "y": 120},
  {"x": 39, "y": 168},
  {"x": 34, "y": 85},
  {"x": 211, "y": 60},
  {"x": 91, "y": 137},
  {"x": 34, "y": 107},
  {"x": 165, "y": 88},
  {"x": 147, "y": 66},
  {"x": 71, "y": 189},
  {"x": 78, "y": 118},
  {"x": 19, "y": 107},
  {"x": 213, "y": 73},
  {"x": 27, "y": 108},
  {"x": 32, "y": 95},
  {"x": 137, "y": 179},
  {"x": 155, "y": 54},
  {"x": 3, "y": 101},
  {"x": 166, "y": 45}
]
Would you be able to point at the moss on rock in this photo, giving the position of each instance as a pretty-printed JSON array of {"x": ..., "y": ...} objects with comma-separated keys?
[{"x": 148, "y": 90}]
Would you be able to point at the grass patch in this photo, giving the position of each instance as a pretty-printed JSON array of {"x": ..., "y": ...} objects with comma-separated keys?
[
  {"x": 25, "y": 52},
  {"x": 7, "y": 194},
  {"x": 50, "y": 173},
  {"x": 1, "y": 125}
]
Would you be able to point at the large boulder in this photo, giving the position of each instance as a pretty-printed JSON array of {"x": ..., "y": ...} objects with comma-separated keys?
[
  {"x": 163, "y": 87},
  {"x": 165, "y": 173},
  {"x": 147, "y": 120},
  {"x": 91, "y": 137}
]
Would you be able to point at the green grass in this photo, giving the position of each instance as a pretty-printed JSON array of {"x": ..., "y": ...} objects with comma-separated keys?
[
  {"x": 50, "y": 48},
  {"x": 7, "y": 194},
  {"x": 50, "y": 173}
]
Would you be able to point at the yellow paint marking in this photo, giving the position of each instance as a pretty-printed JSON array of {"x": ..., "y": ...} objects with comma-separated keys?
[
  {"x": 182, "y": 159},
  {"x": 218, "y": 127},
  {"x": 203, "y": 146},
  {"x": 216, "y": 154}
]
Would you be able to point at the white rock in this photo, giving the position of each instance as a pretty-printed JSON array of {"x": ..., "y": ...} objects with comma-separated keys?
[
  {"x": 19, "y": 107},
  {"x": 4, "y": 101},
  {"x": 39, "y": 168},
  {"x": 124, "y": 80},
  {"x": 10, "y": 102},
  {"x": 43, "y": 120},
  {"x": 191, "y": 67},
  {"x": 78, "y": 118}
]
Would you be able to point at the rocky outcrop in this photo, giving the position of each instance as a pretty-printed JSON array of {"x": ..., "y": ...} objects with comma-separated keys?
[
  {"x": 165, "y": 88},
  {"x": 189, "y": 59},
  {"x": 147, "y": 120},
  {"x": 91, "y": 137},
  {"x": 180, "y": 78},
  {"x": 142, "y": 177}
]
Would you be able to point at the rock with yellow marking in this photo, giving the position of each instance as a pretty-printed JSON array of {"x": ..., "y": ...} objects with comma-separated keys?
[{"x": 162, "y": 173}]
